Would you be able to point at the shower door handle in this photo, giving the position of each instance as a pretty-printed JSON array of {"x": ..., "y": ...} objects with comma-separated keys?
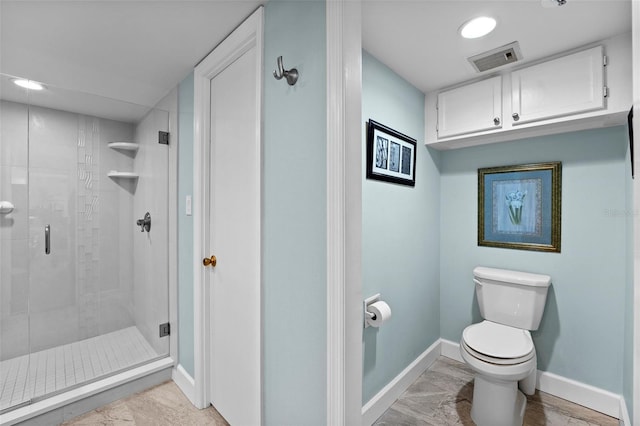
[{"x": 47, "y": 239}]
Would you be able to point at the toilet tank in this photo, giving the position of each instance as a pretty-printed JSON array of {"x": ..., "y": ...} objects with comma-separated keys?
[{"x": 511, "y": 298}]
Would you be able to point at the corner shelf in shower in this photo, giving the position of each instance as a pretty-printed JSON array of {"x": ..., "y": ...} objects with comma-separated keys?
[
  {"x": 122, "y": 175},
  {"x": 125, "y": 146}
]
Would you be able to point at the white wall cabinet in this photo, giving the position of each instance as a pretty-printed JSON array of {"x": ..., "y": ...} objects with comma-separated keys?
[
  {"x": 471, "y": 108},
  {"x": 570, "y": 92},
  {"x": 572, "y": 84}
]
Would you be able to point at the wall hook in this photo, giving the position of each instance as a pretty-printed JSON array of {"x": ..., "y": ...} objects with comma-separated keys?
[
  {"x": 291, "y": 75},
  {"x": 145, "y": 223}
]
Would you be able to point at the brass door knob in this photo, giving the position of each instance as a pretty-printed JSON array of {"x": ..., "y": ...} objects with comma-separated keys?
[{"x": 210, "y": 261}]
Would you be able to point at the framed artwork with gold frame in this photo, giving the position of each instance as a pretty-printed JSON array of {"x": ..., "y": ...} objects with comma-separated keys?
[{"x": 519, "y": 207}]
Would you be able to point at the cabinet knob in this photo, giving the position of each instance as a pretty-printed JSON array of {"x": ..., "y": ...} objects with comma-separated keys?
[
  {"x": 515, "y": 116},
  {"x": 496, "y": 121}
]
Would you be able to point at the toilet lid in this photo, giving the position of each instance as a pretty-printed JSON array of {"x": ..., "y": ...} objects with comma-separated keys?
[{"x": 497, "y": 340}]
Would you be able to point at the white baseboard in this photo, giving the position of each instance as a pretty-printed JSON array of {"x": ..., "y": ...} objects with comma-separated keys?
[
  {"x": 185, "y": 382},
  {"x": 588, "y": 396},
  {"x": 380, "y": 402},
  {"x": 451, "y": 350},
  {"x": 625, "y": 418}
]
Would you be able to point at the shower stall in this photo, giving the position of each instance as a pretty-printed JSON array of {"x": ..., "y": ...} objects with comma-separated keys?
[{"x": 84, "y": 230}]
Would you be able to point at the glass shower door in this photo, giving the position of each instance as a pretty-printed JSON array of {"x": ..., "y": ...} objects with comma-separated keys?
[
  {"x": 64, "y": 248},
  {"x": 84, "y": 288},
  {"x": 14, "y": 246}
]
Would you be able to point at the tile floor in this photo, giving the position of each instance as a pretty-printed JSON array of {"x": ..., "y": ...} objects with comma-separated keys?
[
  {"x": 442, "y": 396},
  {"x": 163, "y": 405}
]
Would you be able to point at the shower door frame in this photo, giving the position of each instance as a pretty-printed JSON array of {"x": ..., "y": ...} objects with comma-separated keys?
[{"x": 170, "y": 104}]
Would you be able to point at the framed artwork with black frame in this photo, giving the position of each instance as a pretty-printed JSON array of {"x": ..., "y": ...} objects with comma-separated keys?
[
  {"x": 519, "y": 206},
  {"x": 391, "y": 156}
]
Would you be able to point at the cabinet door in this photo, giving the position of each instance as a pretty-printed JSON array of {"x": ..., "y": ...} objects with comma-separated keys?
[
  {"x": 471, "y": 108},
  {"x": 569, "y": 85}
]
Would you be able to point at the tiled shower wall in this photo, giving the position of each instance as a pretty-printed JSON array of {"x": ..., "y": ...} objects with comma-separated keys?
[{"x": 53, "y": 168}]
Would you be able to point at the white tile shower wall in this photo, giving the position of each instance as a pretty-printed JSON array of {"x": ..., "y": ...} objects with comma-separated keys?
[
  {"x": 14, "y": 278},
  {"x": 73, "y": 293},
  {"x": 13, "y": 146},
  {"x": 116, "y": 210},
  {"x": 151, "y": 248},
  {"x": 14, "y": 242}
]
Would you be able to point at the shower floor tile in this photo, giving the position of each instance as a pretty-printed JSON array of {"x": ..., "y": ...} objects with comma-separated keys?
[{"x": 28, "y": 377}]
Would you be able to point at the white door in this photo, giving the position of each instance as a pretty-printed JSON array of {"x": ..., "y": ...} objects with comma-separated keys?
[
  {"x": 471, "y": 108},
  {"x": 235, "y": 241},
  {"x": 572, "y": 84},
  {"x": 231, "y": 223}
]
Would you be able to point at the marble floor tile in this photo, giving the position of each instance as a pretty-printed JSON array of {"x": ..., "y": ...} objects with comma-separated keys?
[
  {"x": 163, "y": 405},
  {"x": 394, "y": 417},
  {"x": 443, "y": 394}
]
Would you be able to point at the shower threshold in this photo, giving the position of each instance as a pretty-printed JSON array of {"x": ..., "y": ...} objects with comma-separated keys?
[
  {"x": 72, "y": 370},
  {"x": 70, "y": 404}
]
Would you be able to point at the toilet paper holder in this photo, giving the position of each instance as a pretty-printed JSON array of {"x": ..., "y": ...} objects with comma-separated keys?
[{"x": 369, "y": 315}]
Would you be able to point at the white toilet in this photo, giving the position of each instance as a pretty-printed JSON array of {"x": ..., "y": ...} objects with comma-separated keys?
[{"x": 499, "y": 349}]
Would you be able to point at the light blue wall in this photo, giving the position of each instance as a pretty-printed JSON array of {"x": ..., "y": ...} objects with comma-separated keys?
[
  {"x": 400, "y": 228},
  {"x": 425, "y": 274},
  {"x": 185, "y": 225},
  {"x": 582, "y": 332},
  {"x": 294, "y": 219},
  {"x": 627, "y": 365}
]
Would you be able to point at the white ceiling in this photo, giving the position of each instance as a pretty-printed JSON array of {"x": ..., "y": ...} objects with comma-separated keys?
[
  {"x": 131, "y": 50},
  {"x": 137, "y": 51},
  {"x": 419, "y": 39}
]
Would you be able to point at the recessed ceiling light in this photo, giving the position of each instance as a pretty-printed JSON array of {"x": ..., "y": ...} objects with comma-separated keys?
[
  {"x": 28, "y": 84},
  {"x": 477, "y": 27}
]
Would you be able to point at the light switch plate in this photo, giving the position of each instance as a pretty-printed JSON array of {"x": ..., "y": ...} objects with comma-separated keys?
[{"x": 188, "y": 205}]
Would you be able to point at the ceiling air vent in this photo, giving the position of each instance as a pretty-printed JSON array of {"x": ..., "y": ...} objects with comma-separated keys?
[{"x": 495, "y": 58}]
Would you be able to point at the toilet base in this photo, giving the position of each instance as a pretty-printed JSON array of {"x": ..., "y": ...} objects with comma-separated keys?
[{"x": 497, "y": 403}]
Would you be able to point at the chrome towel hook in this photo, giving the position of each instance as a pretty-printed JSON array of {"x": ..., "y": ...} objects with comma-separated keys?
[
  {"x": 291, "y": 75},
  {"x": 145, "y": 223}
]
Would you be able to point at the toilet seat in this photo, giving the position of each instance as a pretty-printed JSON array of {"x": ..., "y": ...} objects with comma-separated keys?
[{"x": 498, "y": 344}]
